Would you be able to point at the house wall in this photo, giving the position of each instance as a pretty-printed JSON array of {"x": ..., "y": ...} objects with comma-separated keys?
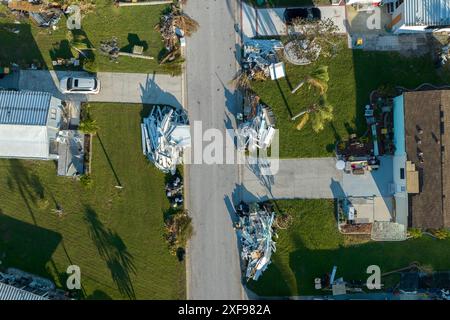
[{"x": 399, "y": 162}]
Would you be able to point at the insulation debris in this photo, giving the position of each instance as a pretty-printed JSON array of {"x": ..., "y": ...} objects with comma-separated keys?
[
  {"x": 260, "y": 59},
  {"x": 255, "y": 228},
  {"x": 165, "y": 135},
  {"x": 258, "y": 129}
]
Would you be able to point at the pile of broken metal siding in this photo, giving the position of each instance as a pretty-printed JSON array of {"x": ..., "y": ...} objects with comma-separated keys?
[
  {"x": 258, "y": 128},
  {"x": 165, "y": 135},
  {"x": 261, "y": 57},
  {"x": 256, "y": 234}
]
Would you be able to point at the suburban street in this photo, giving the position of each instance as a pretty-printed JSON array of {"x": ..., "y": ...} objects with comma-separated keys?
[{"x": 213, "y": 270}]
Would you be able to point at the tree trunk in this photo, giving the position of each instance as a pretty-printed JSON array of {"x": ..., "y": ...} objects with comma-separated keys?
[
  {"x": 298, "y": 87},
  {"x": 300, "y": 114}
]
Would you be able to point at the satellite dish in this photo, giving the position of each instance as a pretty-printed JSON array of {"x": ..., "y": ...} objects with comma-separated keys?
[{"x": 340, "y": 165}]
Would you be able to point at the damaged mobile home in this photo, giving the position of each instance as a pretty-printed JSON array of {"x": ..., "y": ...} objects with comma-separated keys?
[
  {"x": 36, "y": 126},
  {"x": 256, "y": 231},
  {"x": 165, "y": 135}
]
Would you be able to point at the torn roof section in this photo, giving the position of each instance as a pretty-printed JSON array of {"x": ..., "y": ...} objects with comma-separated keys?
[{"x": 427, "y": 12}]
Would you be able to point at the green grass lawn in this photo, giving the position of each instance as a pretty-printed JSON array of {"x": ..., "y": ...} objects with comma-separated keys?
[
  {"x": 131, "y": 26},
  {"x": 312, "y": 246},
  {"x": 353, "y": 75},
  {"x": 115, "y": 236}
]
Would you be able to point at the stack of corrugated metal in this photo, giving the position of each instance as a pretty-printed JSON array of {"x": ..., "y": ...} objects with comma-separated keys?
[
  {"x": 165, "y": 135},
  {"x": 256, "y": 233},
  {"x": 258, "y": 131}
]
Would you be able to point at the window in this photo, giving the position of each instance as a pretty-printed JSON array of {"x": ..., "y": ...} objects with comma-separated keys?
[
  {"x": 402, "y": 173},
  {"x": 53, "y": 113}
]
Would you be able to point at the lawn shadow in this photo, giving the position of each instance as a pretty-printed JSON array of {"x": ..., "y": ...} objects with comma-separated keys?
[
  {"x": 19, "y": 46},
  {"x": 108, "y": 159},
  {"x": 113, "y": 250},
  {"x": 28, "y": 185},
  {"x": 286, "y": 104},
  {"x": 26, "y": 246},
  {"x": 134, "y": 40}
]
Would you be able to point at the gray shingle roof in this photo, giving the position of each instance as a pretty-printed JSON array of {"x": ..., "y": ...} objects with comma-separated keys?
[
  {"x": 24, "y": 108},
  {"x": 427, "y": 12}
]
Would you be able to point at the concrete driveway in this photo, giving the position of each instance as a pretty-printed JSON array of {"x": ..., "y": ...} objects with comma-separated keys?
[
  {"x": 258, "y": 22},
  {"x": 315, "y": 178},
  {"x": 115, "y": 87}
]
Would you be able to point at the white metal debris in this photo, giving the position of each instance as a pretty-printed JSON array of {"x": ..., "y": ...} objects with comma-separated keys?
[
  {"x": 260, "y": 56},
  {"x": 165, "y": 135},
  {"x": 258, "y": 130},
  {"x": 256, "y": 233}
]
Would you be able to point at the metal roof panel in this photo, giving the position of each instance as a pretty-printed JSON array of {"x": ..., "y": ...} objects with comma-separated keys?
[
  {"x": 427, "y": 12},
  {"x": 24, "y": 107}
]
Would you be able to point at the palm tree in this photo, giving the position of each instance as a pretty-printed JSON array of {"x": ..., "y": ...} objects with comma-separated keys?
[
  {"x": 88, "y": 126},
  {"x": 318, "y": 78},
  {"x": 319, "y": 113}
]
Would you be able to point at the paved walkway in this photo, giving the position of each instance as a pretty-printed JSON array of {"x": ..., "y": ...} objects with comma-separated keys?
[
  {"x": 315, "y": 178},
  {"x": 115, "y": 87}
]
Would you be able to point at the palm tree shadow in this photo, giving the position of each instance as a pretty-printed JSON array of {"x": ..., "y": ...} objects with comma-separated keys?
[
  {"x": 29, "y": 186},
  {"x": 113, "y": 250}
]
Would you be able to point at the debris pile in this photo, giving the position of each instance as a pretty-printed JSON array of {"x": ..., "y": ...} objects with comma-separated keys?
[
  {"x": 444, "y": 55},
  {"x": 302, "y": 52},
  {"x": 44, "y": 15},
  {"x": 165, "y": 135},
  {"x": 258, "y": 129},
  {"x": 256, "y": 232},
  {"x": 110, "y": 48},
  {"x": 260, "y": 59},
  {"x": 174, "y": 191},
  {"x": 174, "y": 26}
]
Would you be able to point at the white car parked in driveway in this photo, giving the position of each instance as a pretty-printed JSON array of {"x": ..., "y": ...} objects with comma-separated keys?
[{"x": 81, "y": 85}]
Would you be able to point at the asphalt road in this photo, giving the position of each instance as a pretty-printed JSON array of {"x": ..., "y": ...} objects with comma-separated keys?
[{"x": 213, "y": 270}]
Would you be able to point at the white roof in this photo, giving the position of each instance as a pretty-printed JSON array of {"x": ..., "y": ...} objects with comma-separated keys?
[
  {"x": 24, "y": 141},
  {"x": 8, "y": 292}
]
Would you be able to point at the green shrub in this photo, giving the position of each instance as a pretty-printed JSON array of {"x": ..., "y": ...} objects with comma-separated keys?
[
  {"x": 415, "y": 233},
  {"x": 88, "y": 126},
  {"x": 441, "y": 234},
  {"x": 86, "y": 180},
  {"x": 179, "y": 230}
]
